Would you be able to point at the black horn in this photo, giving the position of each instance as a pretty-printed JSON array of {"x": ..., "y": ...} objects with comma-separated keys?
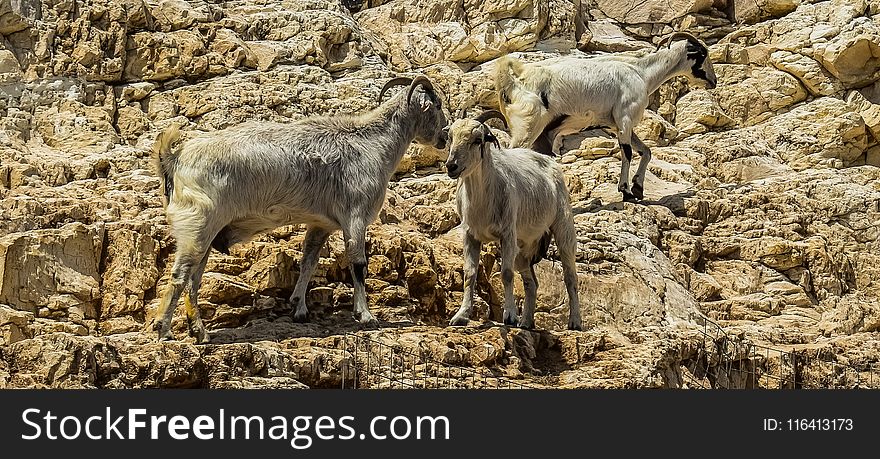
[
  {"x": 399, "y": 81},
  {"x": 420, "y": 80},
  {"x": 489, "y": 114}
]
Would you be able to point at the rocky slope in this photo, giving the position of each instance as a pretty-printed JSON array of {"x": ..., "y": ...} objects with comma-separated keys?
[{"x": 762, "y": 210}]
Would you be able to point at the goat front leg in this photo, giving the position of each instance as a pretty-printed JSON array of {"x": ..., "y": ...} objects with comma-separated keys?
[
  {"x": 355, "y": 245},
  {"x": 509, "y": 250},
  {"x": 314, "y": 240},
  {"x": 638, "y": 186},
  {"x": 471, "y": 266}
]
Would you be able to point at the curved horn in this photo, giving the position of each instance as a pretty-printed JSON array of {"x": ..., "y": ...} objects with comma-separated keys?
[
  {"x": 419, "y": 80},
  {"x": 399, "y": 81},
  {"x": 489, "y": 114},
  {"x": 669, "y": 39}
]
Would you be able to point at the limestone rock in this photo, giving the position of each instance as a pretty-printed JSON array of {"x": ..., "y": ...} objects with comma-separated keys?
[
  {"x": 811, "y": 74},
  {"x": 853, "y": 56},
  {"x": 754, "y": 99},
  {"x": 697, "y": 112},
  {"x": 52, "y": 273},
  {"x": 14, "y": 325},
  {"x": 761, "y": 210},
  {"x": 428, "y": 33},
  {"x": 795, "y": 138},
  {"x": 650, "y": 11},
  {"x": 607, "y": 36},
  {"x": 751, "y": 11}
]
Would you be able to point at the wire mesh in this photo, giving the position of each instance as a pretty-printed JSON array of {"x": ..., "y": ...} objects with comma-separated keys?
[
  {"x": 722, "y": 361},
  {"x": 730, "y": 362},
  {"x": 373, "y": 364}
]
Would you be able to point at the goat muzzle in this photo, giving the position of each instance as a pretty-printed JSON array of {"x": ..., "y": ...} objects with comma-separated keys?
[{"x": 453, "y": 170}]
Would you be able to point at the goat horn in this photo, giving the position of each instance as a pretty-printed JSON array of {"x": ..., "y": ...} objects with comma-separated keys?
[
  {"x": 399, "y": 81},
  {"x": 461, "y": 113},
  {"x": 419, "y": 80},
  {"x": 676, "y": 35},
  {"x": 489, "y": 114}
]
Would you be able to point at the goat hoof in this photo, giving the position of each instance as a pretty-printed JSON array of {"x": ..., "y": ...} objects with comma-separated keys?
[
  {"x": 201, "y": 336},
  {"x": 367, "y": 320},
  {"x": 163, "y": 331},
  {"x": 638, "y": 192},
  {"x": 167, "y": 336},
  {"x": 526, "y": 325},
  {"x": 629, "y": 197},
  {"x": 459, "y": 321},
  {"x": 575, "y": 326},
  {"x": 301, "y": 317},
  {"x": 510, "y": 319}
]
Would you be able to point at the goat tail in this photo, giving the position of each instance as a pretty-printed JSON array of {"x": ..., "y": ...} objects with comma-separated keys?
[
  {"x": 507, "y": 72},
  {"x": 164, "y": 161}
]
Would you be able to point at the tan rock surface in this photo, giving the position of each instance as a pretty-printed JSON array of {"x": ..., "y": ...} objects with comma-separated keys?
[{"x": 762, "y": 211}]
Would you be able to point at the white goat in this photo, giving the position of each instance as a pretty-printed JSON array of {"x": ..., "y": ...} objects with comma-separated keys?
[
  {"x": 328, "y": 172},
  {"x": 515, "y": 196},
  {"x": 565, "y": 95}
]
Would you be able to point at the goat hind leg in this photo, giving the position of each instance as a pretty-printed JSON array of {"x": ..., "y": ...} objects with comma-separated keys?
[
  {"x": 566, "y": 242},
  {"x": 314, "y": 240},
  {"x": 638, "y": 186},
  {"x": 624, "y": 184},
  {"x": 184, "y": 261},
  {"x": 191, "y": 303},
  {"x": 530, "y": 285},
  {"x": 624, "y": 138},
  {"x": 355, "y": 236}
]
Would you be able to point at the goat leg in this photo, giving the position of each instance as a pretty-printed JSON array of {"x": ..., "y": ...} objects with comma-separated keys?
[
  {"x": 314, "y": 240},
  {"x": 471, "y": 265}
]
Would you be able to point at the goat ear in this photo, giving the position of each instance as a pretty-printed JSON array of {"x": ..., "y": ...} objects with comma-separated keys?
[
  {"x": 488, "y": 136},
  {"x": 694, "y": 50},
  {"x": 425, "y": 102}
]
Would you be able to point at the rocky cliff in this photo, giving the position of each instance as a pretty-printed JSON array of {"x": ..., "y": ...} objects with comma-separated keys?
[{"x": 762, "y": 207}]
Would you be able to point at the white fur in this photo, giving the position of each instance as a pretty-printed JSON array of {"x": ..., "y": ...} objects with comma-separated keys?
[
  {"x": 609, "y": 91},
  {"x": 517, "y": 197}
]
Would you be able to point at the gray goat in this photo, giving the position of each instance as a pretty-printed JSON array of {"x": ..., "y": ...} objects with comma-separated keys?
[
  {"x": 515, "y": 196},
  {"x": 327, "y": 172}
]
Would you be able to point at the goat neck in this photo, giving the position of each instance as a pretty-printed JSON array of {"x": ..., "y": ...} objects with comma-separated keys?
[
  {"x": 661, "y": 65},
  {"x": 482, "y": 179},
  {"x": 395, "y": 120}
]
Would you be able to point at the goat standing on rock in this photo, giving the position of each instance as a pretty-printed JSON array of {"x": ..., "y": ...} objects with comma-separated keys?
[
  {"x": 519, "y": 197},
  {"x": 328, "y": 172},
  {"x": 565, "y": 95}
]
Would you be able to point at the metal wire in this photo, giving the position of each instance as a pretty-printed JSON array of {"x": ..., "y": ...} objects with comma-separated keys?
[
  {"x": 372, "y": 364},
  {"x": 722, "y": 361},
  {"x": 727, "y": 362}
]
